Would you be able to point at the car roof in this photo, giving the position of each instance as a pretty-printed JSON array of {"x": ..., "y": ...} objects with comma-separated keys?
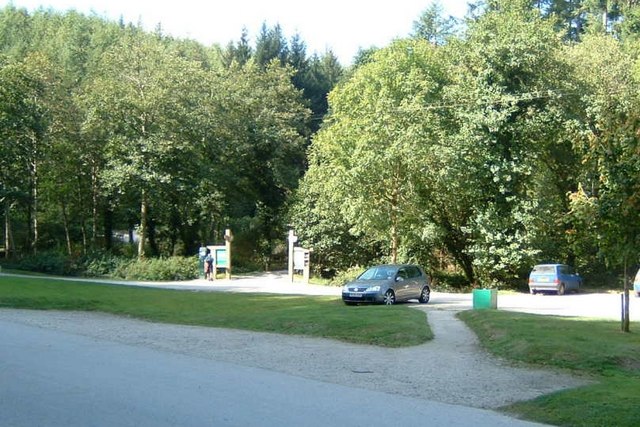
[
  {"x": 394, "y": 265},
  {"x": 548, "y": 265}
]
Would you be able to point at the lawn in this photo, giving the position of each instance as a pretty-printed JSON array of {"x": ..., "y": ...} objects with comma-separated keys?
[
  {"x": 592, "y": 348},
  {"x": 326, "y": 317}
]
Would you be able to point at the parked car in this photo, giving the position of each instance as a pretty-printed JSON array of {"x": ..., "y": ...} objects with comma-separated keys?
[
  {"x": 558, "y": 278},
  {"x": 388, "y": 284},
  {"x": 636, "y": 284}
]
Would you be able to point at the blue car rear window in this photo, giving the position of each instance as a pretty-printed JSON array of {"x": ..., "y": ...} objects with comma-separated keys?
[{"x": 544, "y": 269}]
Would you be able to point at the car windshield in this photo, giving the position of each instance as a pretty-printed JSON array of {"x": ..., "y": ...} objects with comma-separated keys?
[
  {"x": 378, "y": 273},
  {"x": 544, "y": 269}
]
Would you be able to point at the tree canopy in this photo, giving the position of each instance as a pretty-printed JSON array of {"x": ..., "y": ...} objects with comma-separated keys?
[{"x": 476, "y": 148}]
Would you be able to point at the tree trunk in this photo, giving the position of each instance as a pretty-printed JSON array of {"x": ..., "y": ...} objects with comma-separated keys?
[
  {"x": 65, "y": 221},
  {"x": 108, "y": 227},
  {"x": 34, "y": 201},
  {"x": 395, "y": 238},
  {"x": 8, "y": 236},
  {"x": 143, "y": 225},
  {"x": 94, "y": 207},
  {"x": 625, "y": 300}
]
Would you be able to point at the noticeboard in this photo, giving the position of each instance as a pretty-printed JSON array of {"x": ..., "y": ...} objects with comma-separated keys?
[
  {"x": 219, "y": 254},
  {"x": 221, "y": 257},
  {"x": 300, "y": 258}
]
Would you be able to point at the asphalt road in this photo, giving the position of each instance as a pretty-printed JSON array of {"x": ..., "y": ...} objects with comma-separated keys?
[{"x": 54, "y": 378}]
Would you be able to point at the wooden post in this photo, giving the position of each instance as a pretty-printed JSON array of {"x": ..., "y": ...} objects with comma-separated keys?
[
  {"x": 292, "y": 240},
  {"x": 228, "y": 238}
]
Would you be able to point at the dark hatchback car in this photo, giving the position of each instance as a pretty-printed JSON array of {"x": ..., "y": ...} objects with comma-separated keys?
[{"x": 388, "y": 284}]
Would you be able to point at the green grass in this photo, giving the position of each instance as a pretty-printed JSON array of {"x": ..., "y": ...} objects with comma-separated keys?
[
  {"x": 592, "y": 348},
  {"x": 326, "y": 317}
]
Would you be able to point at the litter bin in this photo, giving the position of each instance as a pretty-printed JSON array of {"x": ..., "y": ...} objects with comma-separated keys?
[{"x": 485, "y": 298}]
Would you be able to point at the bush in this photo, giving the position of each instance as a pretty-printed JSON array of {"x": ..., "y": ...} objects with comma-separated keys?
[
  {"x": 450, "y": 282},
  {"x": 46, "y": 262},
  {"x": 161, "y": 269},
  {"x": 100, "y": 263},
  {"x": 345, "y": 276}
]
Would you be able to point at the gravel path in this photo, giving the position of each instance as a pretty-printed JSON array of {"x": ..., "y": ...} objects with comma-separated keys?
[{"x": 451, "y": 369}]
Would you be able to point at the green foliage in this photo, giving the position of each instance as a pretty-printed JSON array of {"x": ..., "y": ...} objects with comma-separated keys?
[
  {"x": 503, "y": 147},
  {"x": 100, "y": 264},
  {"x": 347, "y": 275},
  {"x": 162, "y": 269},
  {"x": 49, "y": 262}
]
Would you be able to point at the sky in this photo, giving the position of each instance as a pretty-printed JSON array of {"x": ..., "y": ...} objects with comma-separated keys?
[{"x": 342, "y": 26}]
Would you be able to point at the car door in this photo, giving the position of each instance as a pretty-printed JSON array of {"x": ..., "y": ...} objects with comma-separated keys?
[
  {"x": 415, "y": 283},
  {"x": 568, "y": 277},
  {"x": 402, "y": 284}
]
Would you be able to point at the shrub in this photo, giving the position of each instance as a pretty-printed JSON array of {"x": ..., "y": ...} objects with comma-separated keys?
[
  {"x": 46, "y": 262},
  {"x": 345, "y": 276},
  {"x": 100, "y": 263},
  {"x": 161, "y": 269},
  {"x": 450, "y": 282}
]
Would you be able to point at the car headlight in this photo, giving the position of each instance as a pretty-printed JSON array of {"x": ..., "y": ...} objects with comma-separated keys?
[{"x": 373, "y": 289}]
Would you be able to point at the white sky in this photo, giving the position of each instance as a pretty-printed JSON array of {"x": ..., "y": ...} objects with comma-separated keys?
[{"x": 343, "y": 26}]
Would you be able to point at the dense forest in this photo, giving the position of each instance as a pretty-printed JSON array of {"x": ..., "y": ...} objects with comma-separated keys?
[
  {"x": 112, "y": 133},
  {"x": 475, "y": 147}
]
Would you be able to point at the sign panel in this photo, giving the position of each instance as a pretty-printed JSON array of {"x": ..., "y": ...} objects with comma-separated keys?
[
  {"x": 221, "y": 258},
  {"x": 219, "y": 254},
  {"x": 298, "y": 258}
]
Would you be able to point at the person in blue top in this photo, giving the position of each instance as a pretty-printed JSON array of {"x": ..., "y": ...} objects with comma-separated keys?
[{"x": 208, "y": 266}]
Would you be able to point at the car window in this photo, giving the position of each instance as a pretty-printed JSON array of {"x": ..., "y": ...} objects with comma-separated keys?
[
  {"x": 377, "y": 273},
  {"x": 403, "y": 273},
  {"x": 544, "y": 269},
  {"x": 413, "y": 272}
]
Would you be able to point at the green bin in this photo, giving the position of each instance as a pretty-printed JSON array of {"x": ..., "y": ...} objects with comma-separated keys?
[{"x": 485, "y": 298}]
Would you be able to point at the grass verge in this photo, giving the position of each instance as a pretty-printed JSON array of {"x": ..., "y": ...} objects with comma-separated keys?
[
  {"x": 326, "y": 317},
  {"x": 588, "y": 347}
]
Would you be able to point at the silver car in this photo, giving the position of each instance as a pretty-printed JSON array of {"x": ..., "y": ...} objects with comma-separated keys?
[{"x": 388, "y": 284}]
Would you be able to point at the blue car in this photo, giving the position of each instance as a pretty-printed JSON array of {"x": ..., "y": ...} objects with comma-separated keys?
[
  {"x": 554, "y": 278},
  {"x": 636, "y": 284}
]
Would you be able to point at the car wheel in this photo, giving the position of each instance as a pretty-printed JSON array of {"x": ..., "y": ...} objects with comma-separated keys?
[
  {"x": 533, "y": 291},
  {"x": 561, "y": 289},
  {"x": 425, "y": 295},
  {"x": 389, "y": 298}
]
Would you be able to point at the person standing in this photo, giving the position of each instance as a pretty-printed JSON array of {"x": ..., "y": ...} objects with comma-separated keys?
[{"x": 208, "y": 266}]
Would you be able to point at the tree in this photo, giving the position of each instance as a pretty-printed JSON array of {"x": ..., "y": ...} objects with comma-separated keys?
[
  {"x": 432, "y": 26},
  {"x": 369, "y": 153},
  {"x": 271, "y": 45},
  {"x": 609, "y": 143},
  {"x": 26, "y": 120},
  {"x": 239, "y": 52},
  {"x": 507, "y": 118},
  {"x": 143, "y": 105}
]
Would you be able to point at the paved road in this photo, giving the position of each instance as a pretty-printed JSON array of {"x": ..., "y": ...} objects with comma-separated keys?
[{"x": 54, "y": 378}]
